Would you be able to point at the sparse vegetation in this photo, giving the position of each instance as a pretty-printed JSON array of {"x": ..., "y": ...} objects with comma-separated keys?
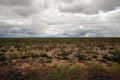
[{"x": 60, "y": 59}]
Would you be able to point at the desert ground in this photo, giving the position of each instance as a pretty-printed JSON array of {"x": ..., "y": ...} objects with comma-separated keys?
[{"x": 60, "y": 59}]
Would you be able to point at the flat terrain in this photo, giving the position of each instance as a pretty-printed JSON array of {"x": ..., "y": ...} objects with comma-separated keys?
[{"x": 60, "y": 59}]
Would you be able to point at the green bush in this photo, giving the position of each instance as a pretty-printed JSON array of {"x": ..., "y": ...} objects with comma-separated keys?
[
  {"x": 31, "y": 75},
  {"x": 15, "y": 76},
  {"x": 74, "y": 73},
  {"x": 2, "y": 57},
  {"x": 107, "y": 57},
  {"x": 116, "y": 56},
  {"x": 98, "y": 72},
  {"x": 80, "y": 56},
  {"x": 44, "y": 55},
  {"x": 11, "y": 75},
  {"x": 56, "y": 76},
  {"x": 65, "y": 58}
]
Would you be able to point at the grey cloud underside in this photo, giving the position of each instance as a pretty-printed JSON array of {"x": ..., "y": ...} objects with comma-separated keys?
[
  {"x": 59, "y": 18},
  {"x": 15, "y": 2},
  {"x": 88, "y": 6}
]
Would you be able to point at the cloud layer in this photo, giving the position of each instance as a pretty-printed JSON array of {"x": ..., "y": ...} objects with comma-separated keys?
[
  {"x": 59, "y": 18},
  {"x": 88, "y": 6}
]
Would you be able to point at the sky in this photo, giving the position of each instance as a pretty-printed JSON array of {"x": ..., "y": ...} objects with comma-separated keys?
[{"x": 59, "y": 18}]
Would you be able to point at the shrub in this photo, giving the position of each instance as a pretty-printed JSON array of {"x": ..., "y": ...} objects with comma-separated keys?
[
  {"x": 94, "y": 56},
  {"x": 31, "y": 75},
  {"x": 74, "y": 73},
  {"x": 56, "y": 76},
  {"x": 29, "y": 54},
  {"x": 43, "y": 54},
  {"x": 80, "y": 56},
  {"x": 10, "y": 74},
  {"x": 107, "y": 57},
  {"x": 116, "y": 56},
  {"x": 3, "y": 50},
  {"x": 13, "y": 75},
  {"x": 12, "y": 56},
  {"x": 65, "y": 58},
  {"x": 2, "y": 57},
  {"x": 34, "y": 55},
  {"x": 98, "y": 72}
]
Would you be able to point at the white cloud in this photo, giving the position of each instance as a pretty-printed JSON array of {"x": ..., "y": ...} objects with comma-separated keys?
[{"x": 60, "y": 18}]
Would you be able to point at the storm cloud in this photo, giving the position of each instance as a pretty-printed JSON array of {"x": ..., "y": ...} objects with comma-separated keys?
[{"x": 59, "y": 18}]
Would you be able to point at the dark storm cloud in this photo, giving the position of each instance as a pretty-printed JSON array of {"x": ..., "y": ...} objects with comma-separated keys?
[{"x": 89, "y": 6}]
